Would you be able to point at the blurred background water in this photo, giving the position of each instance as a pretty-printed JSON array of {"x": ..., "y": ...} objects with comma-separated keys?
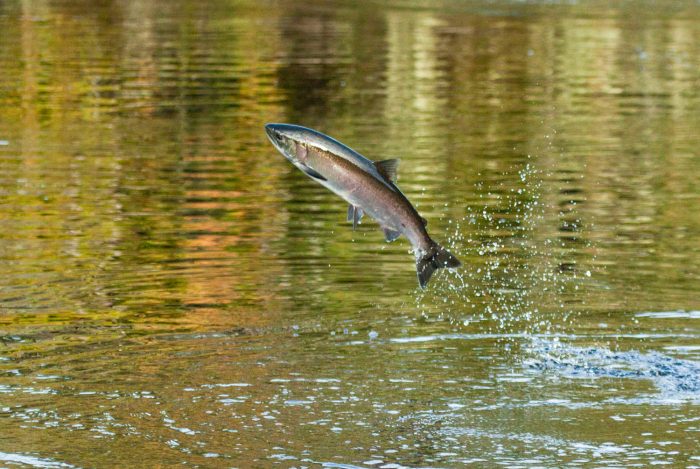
[{"x": 173, "y": 291}]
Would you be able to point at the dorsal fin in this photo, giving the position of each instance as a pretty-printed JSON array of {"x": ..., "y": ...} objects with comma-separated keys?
[{"x": 387, "y": 168}]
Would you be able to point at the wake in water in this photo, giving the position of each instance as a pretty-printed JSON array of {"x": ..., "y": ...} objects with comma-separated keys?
[{"x": 676, "y": 379}]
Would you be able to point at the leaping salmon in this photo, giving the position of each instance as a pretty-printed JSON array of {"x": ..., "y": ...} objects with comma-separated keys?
[{"x": 369, "y": 187}]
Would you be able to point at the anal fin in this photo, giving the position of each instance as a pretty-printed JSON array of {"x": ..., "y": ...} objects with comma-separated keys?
[{"x": 390, "y": 234}]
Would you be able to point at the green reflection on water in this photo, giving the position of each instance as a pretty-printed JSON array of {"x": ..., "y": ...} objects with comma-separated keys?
[{"x": 552, "y": 147}]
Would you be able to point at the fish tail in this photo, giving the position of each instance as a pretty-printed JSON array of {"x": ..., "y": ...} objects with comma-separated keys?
[{"x": 434, "y": 258}]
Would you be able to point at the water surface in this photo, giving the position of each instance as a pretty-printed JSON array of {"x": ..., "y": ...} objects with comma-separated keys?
[{"x": 173, "y": 291}]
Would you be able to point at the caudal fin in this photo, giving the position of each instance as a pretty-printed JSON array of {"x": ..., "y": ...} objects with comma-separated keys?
[{"x": 434, "y": 259}]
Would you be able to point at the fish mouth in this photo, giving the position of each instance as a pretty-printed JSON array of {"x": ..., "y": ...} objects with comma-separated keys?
[
  {"x": 272, "y": 133},
  {"x": 276, "y": 138},
  {"x": 280, "y": 132},
  {"x": 280, "y": 140}
]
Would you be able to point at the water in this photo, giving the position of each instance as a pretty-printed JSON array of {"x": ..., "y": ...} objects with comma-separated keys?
[{"x": 174, "y": 292}]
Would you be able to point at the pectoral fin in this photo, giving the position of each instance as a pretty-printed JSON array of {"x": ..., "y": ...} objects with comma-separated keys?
[
  {"x": 355, "y": 215},
  {"x": 312, "y": 173},
  {"x": 390, "y": 234},
  {"x": 388, "y": 168}
]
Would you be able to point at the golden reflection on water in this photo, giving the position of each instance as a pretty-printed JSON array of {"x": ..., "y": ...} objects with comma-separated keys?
[{"x": 154, "y": 246}]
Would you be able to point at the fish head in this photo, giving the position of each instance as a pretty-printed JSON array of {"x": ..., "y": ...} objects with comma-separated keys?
[{"x": 290, "y": 140}]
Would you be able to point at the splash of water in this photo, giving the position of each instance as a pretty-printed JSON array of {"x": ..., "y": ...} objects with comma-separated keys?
[
  {"x": 515, "y": 271},
  {"x": 676, "y": 379}
]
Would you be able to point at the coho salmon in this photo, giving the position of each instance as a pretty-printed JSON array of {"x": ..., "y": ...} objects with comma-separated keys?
[{"x": 368, "y": 186}]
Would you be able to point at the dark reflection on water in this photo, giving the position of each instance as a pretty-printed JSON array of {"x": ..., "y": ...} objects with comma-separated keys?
[{"x": 172, "y": 285}]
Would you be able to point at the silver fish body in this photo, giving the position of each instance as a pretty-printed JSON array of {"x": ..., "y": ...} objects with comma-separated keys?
[{"x": 369, "y": 187}]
